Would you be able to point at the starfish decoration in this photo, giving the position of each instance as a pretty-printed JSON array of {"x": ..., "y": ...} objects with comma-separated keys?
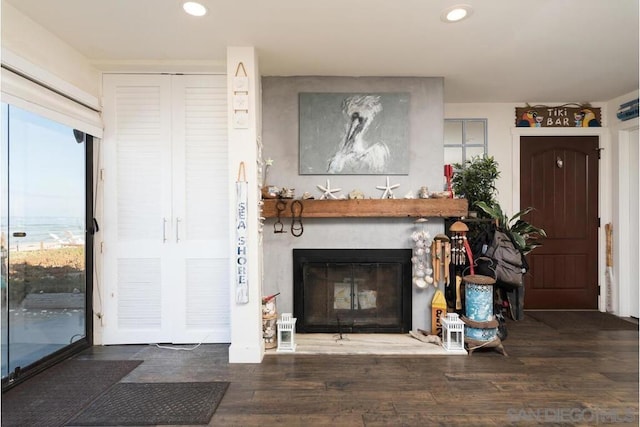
[
  {"x": 328, "y": 191},
  {"x": 388, "y": 193}
]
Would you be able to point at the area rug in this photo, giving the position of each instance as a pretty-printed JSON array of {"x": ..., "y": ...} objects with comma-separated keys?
[
  {"x": 582, "y": 320},
  {"x": 371, "y": 344},
  {"x": 139, "y": 404},
  {"x": 52, "y": 397}
]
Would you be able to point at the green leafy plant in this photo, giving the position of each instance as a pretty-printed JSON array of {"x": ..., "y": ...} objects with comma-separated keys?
[
  {"x": 525, "y": 235},
  {"x": 475, "y": 180}
]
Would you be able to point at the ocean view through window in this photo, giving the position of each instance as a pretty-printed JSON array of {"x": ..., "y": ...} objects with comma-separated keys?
[{"x": 43, "y": 239}]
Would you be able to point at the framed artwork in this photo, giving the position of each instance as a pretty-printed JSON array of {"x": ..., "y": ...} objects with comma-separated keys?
[{"x": 354, "y": 133}]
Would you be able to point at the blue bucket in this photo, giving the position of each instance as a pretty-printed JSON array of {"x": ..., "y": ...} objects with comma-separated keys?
[
  {"x": 479, "y": 302},
  {"x": 479, "y": 306}
]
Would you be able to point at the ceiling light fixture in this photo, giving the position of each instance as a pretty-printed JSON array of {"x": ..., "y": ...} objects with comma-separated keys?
[
  {"x": 456, "y": 13},
  {"x": 194, "y": 8}
]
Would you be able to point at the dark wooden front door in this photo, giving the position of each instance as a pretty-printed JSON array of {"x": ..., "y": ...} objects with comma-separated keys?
[{"x": 559, "y": 178}]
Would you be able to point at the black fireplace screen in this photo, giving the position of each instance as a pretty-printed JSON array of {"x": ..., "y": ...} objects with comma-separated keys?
[{"x": 352, "y": 290}]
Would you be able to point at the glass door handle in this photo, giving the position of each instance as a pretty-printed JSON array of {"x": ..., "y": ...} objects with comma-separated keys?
[
  {"x": 178, "y": 220},
  {"x": 19, "y": 234}
]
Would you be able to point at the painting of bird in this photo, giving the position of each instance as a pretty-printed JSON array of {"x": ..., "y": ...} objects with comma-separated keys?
[
  {"x": 359, "y": 133},
  {"x": 354, "y": 151}
]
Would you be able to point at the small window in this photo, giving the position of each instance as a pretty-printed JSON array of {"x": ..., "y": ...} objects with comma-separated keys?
[{"x": 464, "y": 139}]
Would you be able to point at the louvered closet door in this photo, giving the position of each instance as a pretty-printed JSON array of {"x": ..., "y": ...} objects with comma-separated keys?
[
  {"x": 166, "y": 277},
  {"x": 201, "y": 209}
]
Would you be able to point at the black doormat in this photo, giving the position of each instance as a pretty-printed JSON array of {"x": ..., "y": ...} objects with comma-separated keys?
[
  {"x": 139, "y": 404},
  {"x": 52, "y": 397},
  {"x": 582, "y": 320}
]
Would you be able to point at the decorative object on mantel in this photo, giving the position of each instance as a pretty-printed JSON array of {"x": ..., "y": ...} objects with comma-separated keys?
[
  {"x": 328, "y": 191},
  {"x": 296, "y": 207},
  {"x": 278, "y": 226},
  {"x": 440, "y": 195},
  {"x": 421, "y": 248},
  {"x": 448, "y": 174},
  {"x": 356, "y": 195},
  {"x": 628, "y": 110},
  {"x": 267, "y": 165},
  {"x": 287, "y": 193},
  {"x": 565, "y": 115},
  {"x": 388, "y": 190},
  {"x": 296, "y": 218},
  {"x": 270, "y": 192},
  {"x": 409, "y": 195},
  {"x": 423, "y": 193},
  {"x": 241, "y": 264},
  {"x": 307, "y": 196}
]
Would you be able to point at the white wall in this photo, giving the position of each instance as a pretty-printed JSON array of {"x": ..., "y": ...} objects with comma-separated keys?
[
  {"x": 623, "y": 198},
  {"x": 500, "y": 120},
  {"x": 67, "y": 68}
]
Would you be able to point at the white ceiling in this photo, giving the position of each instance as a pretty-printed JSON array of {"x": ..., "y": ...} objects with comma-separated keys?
[{"x": 507, "y": 51}]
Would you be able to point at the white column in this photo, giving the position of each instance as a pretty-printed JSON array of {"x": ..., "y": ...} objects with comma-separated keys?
[{"x": 247, "y": 345}]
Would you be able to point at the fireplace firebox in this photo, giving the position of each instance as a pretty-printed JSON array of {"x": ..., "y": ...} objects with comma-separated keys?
[{"x": 352, "y": 290}]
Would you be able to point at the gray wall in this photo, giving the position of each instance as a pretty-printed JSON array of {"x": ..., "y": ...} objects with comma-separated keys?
[{"x": 280, "y": 142}]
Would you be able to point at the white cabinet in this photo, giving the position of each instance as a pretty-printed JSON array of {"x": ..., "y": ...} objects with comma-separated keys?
[{"x": 166, "y": 207}]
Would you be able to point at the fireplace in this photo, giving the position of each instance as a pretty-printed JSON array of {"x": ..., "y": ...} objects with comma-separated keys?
[{"x": 352, "y": 290}]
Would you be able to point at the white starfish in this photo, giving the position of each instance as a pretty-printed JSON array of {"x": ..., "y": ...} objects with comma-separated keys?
[
  {"x": 328, "y": 191},
  {"x": 388, "y": 193}
]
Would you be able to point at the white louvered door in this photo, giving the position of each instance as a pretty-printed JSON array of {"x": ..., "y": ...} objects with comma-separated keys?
[
  {"x": 166, "y": 274},
  {"x": 200, "y": 208}
]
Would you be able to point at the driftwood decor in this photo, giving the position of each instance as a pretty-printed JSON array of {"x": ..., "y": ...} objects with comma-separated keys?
[{"x": 566, "y": 115}]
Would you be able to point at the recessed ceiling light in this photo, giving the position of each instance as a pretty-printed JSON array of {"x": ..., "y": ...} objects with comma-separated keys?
[
  {"x": 194, "y": 8},
  {"x": 456, "y": 13}
]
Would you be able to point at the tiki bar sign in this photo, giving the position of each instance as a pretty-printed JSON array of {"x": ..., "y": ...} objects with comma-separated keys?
[{"x": 560, "y": 116}]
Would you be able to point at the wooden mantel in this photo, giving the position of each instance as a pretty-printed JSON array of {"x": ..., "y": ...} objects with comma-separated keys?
[{"x": 360, "y": 208}]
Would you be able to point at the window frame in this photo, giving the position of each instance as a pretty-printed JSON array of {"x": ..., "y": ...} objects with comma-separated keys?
[{"x": 463, "y": 145}]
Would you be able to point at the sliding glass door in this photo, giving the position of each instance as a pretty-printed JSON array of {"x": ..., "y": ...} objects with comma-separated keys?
[{"x": 43, "y": 239}]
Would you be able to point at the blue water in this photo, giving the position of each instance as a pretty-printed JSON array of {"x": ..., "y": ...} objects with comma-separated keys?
[{"x": 40, "y": 229}]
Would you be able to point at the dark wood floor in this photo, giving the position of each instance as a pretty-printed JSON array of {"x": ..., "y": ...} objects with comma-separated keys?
[{"x": 553, "y": 376}]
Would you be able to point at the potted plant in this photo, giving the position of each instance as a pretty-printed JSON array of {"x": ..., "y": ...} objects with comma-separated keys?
[
  {"x": 525, "y": 236},
  {"x": 475, "y": 180}
]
